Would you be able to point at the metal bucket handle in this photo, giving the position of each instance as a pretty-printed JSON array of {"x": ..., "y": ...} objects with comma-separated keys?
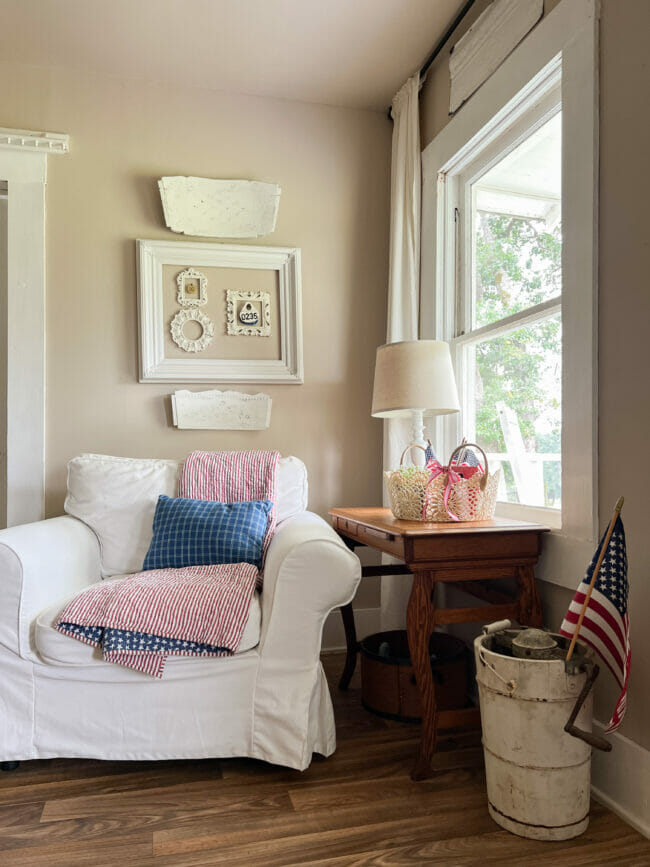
[
  {"x": 488, "y": 629},
  {"x": 571, "y": 729}
]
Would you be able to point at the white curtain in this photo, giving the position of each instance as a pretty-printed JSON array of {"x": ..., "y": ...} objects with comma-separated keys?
[{"x": 403, "y": 294}]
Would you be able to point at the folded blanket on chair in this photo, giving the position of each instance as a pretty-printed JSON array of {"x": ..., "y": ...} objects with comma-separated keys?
[
  {"x": 191, "y": 611},
  {"x": 140, "y": 620}
]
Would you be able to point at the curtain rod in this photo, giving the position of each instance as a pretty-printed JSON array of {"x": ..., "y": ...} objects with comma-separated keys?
[{"x": 441, "y": 43}]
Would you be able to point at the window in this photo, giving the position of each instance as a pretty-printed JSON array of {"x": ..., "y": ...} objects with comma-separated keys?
[
  {"x": 507, "y": 297},
  {"x": 509, "y": 278}
]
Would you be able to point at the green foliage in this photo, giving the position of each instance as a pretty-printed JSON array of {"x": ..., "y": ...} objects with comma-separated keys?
[{"x": 517, "y": 265}]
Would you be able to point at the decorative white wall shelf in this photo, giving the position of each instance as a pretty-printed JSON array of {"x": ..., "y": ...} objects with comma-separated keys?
[
  {"x": 216, "y": 208},
  {"x": 220, "y": 410}
]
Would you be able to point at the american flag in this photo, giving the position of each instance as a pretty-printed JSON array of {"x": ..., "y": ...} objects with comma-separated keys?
[{"x": 606, "y": 625}]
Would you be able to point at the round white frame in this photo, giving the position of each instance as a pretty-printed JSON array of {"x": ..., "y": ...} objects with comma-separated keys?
[{"x": 192, "y": 314}]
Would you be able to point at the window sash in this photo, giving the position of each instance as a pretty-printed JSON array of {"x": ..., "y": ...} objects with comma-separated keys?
[{"x": 465, "y": 365}]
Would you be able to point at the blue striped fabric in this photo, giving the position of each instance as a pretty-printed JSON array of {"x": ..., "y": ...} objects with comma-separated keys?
[{"x": 202, "y": 532}]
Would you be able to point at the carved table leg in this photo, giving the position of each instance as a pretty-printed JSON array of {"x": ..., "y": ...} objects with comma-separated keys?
[
  {"x": 352, "y": 645},
  {"x": 419, "y": 625},
  {"x": 530, "y": 606}
]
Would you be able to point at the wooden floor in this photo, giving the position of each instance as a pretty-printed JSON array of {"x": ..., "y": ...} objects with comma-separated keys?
[{"x": 359, "y": 807}]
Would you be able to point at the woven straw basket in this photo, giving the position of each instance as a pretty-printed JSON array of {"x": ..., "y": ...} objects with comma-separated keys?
[{"x": 415, "y": 496}]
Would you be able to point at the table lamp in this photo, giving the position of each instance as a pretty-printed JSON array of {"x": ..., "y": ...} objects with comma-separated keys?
[{"x": 414, "y": 378}]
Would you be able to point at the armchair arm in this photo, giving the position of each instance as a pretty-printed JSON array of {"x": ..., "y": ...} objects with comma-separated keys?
[
  {"x": 41, "y": 564},
  {"x": 308, "y": 572}
]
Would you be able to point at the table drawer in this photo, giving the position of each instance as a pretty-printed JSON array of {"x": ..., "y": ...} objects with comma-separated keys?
[{"x": 374, "y": 538}]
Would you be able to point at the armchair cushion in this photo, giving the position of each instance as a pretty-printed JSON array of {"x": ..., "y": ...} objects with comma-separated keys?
[
  {"x": 190, "y": 532},
  {"x": 116, "y": 497}
]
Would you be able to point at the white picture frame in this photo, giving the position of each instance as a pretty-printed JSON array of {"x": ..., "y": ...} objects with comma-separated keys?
[
  {"x": 152, "y": 256},
  {"x": 191, "y": 288},
  {"x": 258, "y": 303}
]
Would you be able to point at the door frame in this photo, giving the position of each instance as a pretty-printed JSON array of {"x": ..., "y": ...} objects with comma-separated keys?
[{"x": 23, "y": 164}]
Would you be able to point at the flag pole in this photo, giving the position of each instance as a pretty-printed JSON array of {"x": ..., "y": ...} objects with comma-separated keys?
[{"x": 601, "y": 556}]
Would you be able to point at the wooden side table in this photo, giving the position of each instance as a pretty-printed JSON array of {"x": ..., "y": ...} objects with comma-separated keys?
[{"x": 468, "y": 554}]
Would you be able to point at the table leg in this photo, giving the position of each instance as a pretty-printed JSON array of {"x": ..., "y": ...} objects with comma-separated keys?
[
  {"x": 530, "y": 606},
  {"x": 352, "y": 645},
  {"x": 419, "y": 625}
]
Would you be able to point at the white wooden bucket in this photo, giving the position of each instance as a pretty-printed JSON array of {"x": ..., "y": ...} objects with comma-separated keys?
[{"x": 538, "y": 776}]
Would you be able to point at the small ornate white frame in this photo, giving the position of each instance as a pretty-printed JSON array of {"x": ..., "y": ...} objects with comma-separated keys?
[
  {"x": 155, "y": 367},
  {"x": 192, "y": 344},
  {"x": 182, "y": 278},
  {"x": 234, "y": 326}
]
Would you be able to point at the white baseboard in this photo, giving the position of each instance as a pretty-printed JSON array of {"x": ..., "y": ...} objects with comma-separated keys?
[
  {"x": 367, "y": 621},
  {"x": 621, "y": 780}
]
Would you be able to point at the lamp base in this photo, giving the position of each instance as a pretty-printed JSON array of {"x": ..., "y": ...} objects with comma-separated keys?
[{"x": 418, "y": 428}]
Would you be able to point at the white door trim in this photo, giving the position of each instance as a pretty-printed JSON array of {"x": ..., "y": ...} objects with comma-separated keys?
[{"x": 23, "y": 164}]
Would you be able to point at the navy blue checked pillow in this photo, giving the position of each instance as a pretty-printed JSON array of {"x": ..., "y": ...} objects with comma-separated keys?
[{"x": 202, "y": 532}]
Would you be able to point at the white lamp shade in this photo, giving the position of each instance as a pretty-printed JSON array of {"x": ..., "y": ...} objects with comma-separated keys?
[{"x": 414, "y": 375}]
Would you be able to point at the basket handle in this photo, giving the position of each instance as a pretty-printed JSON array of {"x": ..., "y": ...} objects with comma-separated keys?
[
  {"x": 408, "y": 449},
  {"x": 461, "y": 448}
]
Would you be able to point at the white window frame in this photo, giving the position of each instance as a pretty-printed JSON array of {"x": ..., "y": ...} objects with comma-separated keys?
[{"x": 563, "y": 47}]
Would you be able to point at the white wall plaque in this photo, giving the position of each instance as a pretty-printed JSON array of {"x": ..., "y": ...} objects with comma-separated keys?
[
  {"x": 220, "y": 410},
  {"x": 219, "y": 208},
  {"x": 487, "y": 43}
]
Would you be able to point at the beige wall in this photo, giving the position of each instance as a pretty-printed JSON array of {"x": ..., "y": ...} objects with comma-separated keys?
[
  {"x": 334, "y": 169},
  {"x": 624, "y": 265}
]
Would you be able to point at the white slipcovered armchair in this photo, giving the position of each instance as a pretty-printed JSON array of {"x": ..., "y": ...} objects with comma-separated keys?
[{"x": 270, "y": 700}]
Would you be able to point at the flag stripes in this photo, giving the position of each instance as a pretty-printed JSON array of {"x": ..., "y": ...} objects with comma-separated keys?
[
  {"x": 600, "y": 631},
  {"x": 606, "y": 624}
]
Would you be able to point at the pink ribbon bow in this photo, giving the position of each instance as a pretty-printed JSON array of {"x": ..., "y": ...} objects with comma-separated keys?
[{"x": 455, "y": 472}]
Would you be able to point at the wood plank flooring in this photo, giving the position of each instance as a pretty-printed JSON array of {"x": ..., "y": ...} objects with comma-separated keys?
[{"x": 357, "y": 808}]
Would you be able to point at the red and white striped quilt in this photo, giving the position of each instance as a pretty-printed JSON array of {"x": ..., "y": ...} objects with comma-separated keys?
[{"x": 193, "y": 611}]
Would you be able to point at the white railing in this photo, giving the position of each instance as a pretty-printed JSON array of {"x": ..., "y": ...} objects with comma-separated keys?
[{"x": 529, "y": 481}]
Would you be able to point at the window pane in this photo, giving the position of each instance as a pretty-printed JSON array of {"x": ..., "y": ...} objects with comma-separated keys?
[
  {"x": 513, "y": 389},
  {"x": 516, "y": 228}
]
